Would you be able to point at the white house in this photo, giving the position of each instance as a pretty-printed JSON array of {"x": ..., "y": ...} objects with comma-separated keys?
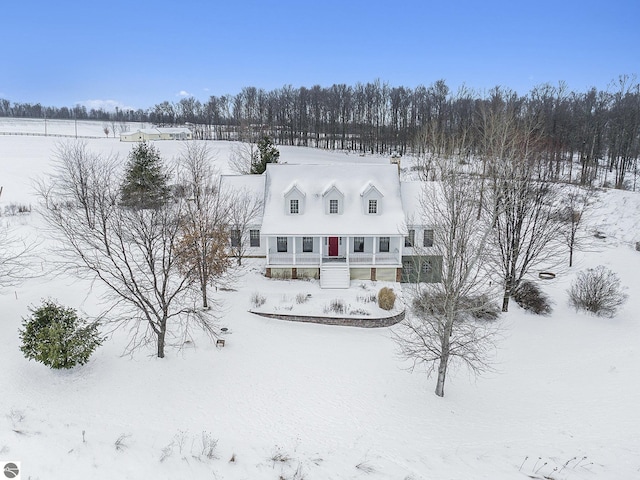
[
  {"x": 146, "y": 134},
  {"x": 337, "y": 222},
  {"x": 420, "y": 259}
]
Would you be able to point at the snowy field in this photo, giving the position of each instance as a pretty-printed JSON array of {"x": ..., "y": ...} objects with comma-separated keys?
[{"x": 302, "y": 401}]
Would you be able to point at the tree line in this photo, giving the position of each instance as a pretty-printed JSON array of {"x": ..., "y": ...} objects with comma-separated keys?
[{"x": 599, "y": 128}]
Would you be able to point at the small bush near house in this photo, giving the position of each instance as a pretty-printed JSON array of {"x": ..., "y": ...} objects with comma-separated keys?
[
  {"x": 302, "y": 298},
  {"x": 257, "y": 300},
  {"x": 386, "y": 298},
  {"x": 598, "y": 291},
  {"x": 368, "y": 298},
  {"x": 336, "y": 306},
  {"x": 529, "y": 296},
  {"x": 55, "y": 336}
]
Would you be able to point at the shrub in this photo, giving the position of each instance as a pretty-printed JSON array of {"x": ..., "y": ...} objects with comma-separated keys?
[
  {"x": 367, "y": 298},
  {"x": 386, "y": 298},
  {"x": 257, "y": 300},
  {"x": 598, "y": 291},
  {"x": 478, "y": 307},
  {"x": 481, "y": 308},
  {"x": 302, "y": 298},
  {"x": 55, "y": 336},
  {"x": 15, "y": 208},
  {"x": 529, "y": 296},
  {"x": 336, "y": 306}
]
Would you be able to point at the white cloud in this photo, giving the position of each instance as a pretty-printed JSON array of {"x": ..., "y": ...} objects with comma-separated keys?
[
  {"x": 183, "y": 93},
  {"x": 106, "y": 105}
]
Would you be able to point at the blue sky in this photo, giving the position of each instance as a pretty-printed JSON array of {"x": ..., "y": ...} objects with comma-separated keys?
[{"x": 139, "y": 53}]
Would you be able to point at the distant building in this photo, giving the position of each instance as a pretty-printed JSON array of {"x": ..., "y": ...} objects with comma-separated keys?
[{"x": 146, "y": 134}]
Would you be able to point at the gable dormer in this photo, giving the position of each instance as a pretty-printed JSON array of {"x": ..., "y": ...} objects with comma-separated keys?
[
  {"x": 371, "y": 200},
  {"x": 294, "y": 200},
  {"x": 333, "y": 200}
]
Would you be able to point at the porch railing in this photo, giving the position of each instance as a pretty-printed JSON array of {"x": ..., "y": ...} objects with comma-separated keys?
[
  {"x": 317, "y": 259},
  {"x": 301, "y": 258}
]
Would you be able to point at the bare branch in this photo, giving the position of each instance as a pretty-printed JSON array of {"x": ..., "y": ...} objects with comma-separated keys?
[{"x": 133, "y": 252}]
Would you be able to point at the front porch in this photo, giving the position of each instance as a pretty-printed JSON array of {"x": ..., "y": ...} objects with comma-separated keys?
[{"x": 292, "y": 251}]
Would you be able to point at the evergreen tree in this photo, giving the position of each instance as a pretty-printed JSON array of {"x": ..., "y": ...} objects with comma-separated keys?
[
  {"x": 145, "y": 181},
  {"x": 268, "y": 154},
  {"x": 55, "y": 336}
]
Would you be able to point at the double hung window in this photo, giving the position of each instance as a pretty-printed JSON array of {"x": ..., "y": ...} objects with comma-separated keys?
[
  {"x": 358, "y": 244},
  {"x": 281, "y": 244}
]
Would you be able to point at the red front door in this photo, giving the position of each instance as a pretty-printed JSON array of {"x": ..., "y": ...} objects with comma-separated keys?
[{"x": 333, "y": 246}]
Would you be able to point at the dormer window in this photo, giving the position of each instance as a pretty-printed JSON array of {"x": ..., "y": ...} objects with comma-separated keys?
[
  {"x": 294, "y": 200},
  {"x": 371, "y": 199},
  {"x": 333, "y": 200}
]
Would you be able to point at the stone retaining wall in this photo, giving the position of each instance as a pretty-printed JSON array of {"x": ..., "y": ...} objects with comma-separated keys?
[{"x": 363, "y": 322}]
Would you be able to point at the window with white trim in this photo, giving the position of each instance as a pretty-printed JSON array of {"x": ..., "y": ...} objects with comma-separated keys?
[
  {"x": 333, "y": 206},
  {"x": 373, "y": 206},
  {"x": 358, "y": 244},
  {"x": 294, "y": 207},
  {"x": 410, "y": 239},
  {"x": 235, "y": 238},
  {"x": 307, "y": 244},
  {"x": 426, "y": 267},
  {"x": 384, "y": 244},
  {"x": 407, "y": 265},
  {"x": 254, "y": 238},
  {"x": 428, "y": 238},
  {"x": 281, "y": 244}
]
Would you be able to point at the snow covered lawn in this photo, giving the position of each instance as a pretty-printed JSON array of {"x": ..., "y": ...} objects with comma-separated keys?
[{"x": 295, "y": 400}]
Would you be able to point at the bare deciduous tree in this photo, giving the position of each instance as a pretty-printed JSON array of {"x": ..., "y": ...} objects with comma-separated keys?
[
  {"x": 574, "y": 206},
  {"x": 132, "y": 252},
  {"x": 520, "y": 199},
  {"x": 448, "y": 319},
  {"x": 16, "y": 257},
  {"x": 242, "y": 157},
  {"x": 526, "y": 228},
  {"x": 245, "y": 208},
  {"x": 203, "y": 245}
]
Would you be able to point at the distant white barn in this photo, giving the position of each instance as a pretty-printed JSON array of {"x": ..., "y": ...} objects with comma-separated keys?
[
  {"x": 336, "y": 223},
  {"x": 147, "y": 134}
]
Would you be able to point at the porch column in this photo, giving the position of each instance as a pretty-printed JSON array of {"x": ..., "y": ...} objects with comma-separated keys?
[
  {"x": 373, "y": 259},
  {"x": 268, "y": 240},
  {"x": 293, "y": 241},
  {"x": 348, "y": 248}
]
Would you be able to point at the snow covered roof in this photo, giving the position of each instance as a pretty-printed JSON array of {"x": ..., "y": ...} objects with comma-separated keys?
[
  {"x": 244, "y": 183},
  {"x": 412, "y": 193},
  {"x": 156, "y": 131},
  {"x": 314, "y": 181}
]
